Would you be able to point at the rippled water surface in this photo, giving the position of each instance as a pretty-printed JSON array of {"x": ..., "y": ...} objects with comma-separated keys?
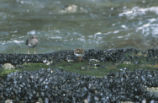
[{"x": 70, "y": 24}]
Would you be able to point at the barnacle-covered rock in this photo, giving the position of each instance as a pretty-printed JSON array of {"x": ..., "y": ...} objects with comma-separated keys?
[{"x": 8, "y": 66}]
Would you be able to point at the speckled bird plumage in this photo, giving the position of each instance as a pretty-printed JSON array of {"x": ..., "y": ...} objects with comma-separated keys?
[{"x": 32, "y": 41}]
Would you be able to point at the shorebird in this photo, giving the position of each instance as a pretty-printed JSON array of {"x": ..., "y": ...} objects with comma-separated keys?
[
  {"x": 32, "y": 42},
  {"x": 79, "y": 53}
]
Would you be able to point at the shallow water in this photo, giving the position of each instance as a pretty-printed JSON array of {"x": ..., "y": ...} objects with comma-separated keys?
[{"x": 99, "y": 24}]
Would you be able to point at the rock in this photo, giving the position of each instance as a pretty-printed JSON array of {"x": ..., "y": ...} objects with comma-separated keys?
[
  {"x": 70, "y": 9},
  {"x": 153, "y": 91},
  {"x": 39, "y": 100},
  {"x": 69, "y": 59},
  {"x": 83, "y": 67},
  {"x": 127, "y": 102},
  {"x": 8, "y": 101},
  {"x": 127, "y": 62},
  {"x": 94, "y": 63},
  {"x": 47, "y": 62},
  {"x": 8, "y": 66}
]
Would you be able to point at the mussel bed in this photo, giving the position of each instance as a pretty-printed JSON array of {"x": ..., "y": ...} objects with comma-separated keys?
[{"x": 49, "y": 85}]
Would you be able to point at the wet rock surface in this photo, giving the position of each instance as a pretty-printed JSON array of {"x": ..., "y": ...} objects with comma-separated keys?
[{"x": 58, "y": 86}]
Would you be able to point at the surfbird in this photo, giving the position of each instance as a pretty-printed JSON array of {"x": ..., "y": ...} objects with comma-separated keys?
[{"x": 32, "y": 42}]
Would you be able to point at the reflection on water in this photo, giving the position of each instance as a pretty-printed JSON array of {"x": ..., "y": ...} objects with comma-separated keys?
[{"x": 70, "y": 24}]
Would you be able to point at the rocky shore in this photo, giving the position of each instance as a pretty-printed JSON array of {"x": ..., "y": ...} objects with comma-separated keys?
[{"x": 52, "y": 85}]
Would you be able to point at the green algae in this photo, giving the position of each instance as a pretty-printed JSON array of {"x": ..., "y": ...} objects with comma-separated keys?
[
  {"x": 103, "y": 68},
  {"x": 84, "y": 68},
  {"x": 5, "y": 72},
  {"x": 24, "y": 67}
]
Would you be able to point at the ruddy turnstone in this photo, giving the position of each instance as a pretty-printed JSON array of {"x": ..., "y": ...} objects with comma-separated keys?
[{"x": 79, "y": 53}]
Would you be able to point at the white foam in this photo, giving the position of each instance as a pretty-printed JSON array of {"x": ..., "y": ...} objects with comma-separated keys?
[
  {"x": 98, "y": 34},
  {"x": 12, "y": 41},
  {"x": 3, "y": 42},
  {"x": 108, "y": 33},
  {"x": 143, "y": 26},
  {"x": 136, "y": 11},
  {"x": 120, "y": 37},
  {"x": 124, "y": 26},
  {"x": 32, "y": 32},
  {"x": 18, "y": 41},
  {"x": 152, "y": 20},
  {"x": 148, "y": 29},
  {"x": 56, "y": 37},
  {"x": 82, "y": 39},
  {"x": 116, "y": 31}
]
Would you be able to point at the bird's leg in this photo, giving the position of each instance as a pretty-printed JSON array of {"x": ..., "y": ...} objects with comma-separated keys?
[
  {"x": 34, "y": 50},
  {"x": 28, "y": 52},
  {"x": 80, "y": 58}
]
